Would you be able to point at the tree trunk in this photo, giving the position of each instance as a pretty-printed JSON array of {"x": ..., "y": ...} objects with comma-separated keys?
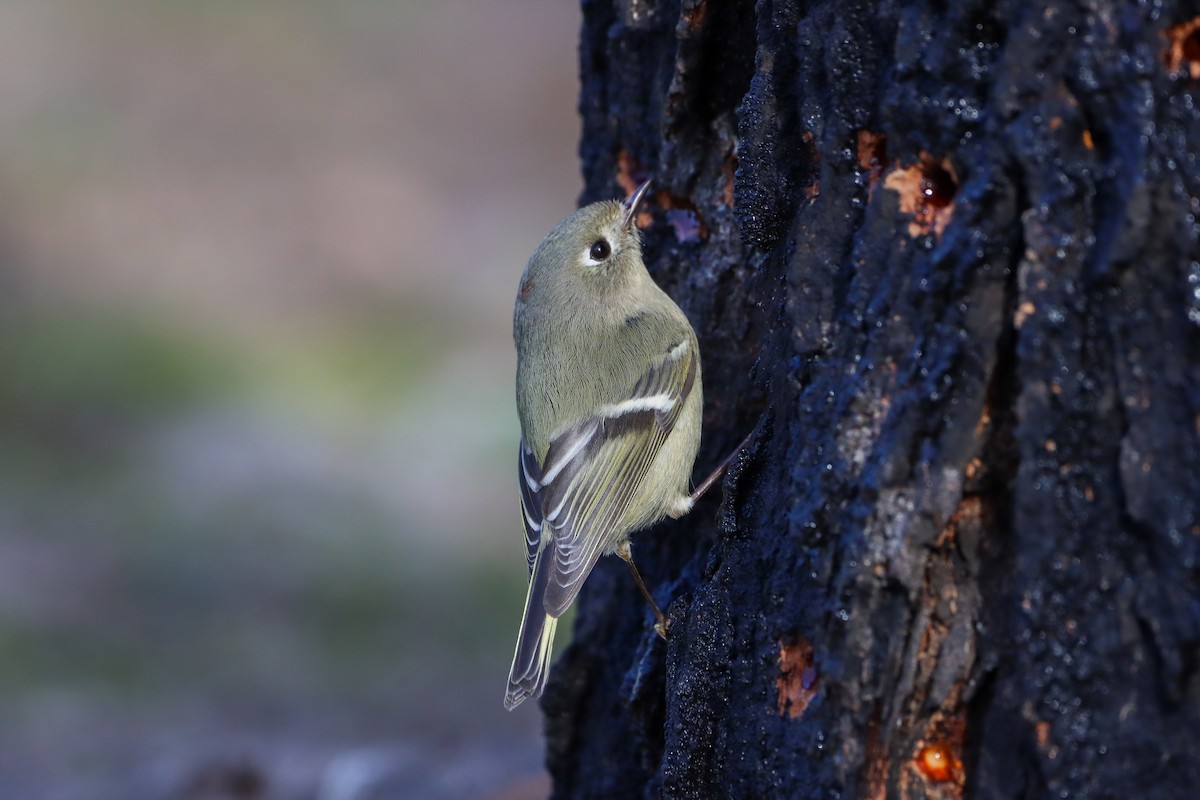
[{"x": 942, "y": 259}]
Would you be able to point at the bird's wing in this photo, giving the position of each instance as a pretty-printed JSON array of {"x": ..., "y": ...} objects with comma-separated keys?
[
  {"x": 531, "y": 501},
  {"x": 593, "y": 468}
]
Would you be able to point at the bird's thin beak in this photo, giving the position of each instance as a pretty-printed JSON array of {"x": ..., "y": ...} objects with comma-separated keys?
[{"x": 631, "y": 205}]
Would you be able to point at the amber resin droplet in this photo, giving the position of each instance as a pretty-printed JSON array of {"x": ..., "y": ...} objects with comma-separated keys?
[{"x": 937, "y": 762}]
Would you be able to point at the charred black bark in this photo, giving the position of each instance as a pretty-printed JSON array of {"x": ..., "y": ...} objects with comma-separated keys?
[{"x": 943, "y": 259}]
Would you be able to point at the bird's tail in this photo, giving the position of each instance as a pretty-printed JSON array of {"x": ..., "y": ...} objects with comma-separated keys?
[{"x": 531, "y": 662}]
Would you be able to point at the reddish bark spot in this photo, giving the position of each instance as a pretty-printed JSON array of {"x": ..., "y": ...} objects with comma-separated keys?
[
  {"x": 1042, "y": 731},
  {"x": 877, "y": 765},
  {"x": 927, "y": 191},
  {"x": 630, "y": 174},
  {"x": 797, "y": 681},
  {"x": 1024, "y": 312},
  {"x": 694, "y": 17},
  {"x": 684, "y": 217},
  {"x": 813, "y": 190},
  {"x": 728, "y": 170},
  {"x": 1183, "y": 48},
  {"x": 968, "y": 516},
  {"x": 872, "y": 155}
]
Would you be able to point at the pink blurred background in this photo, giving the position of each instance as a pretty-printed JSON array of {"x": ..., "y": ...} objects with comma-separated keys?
[{"x": 258, "y": 526}]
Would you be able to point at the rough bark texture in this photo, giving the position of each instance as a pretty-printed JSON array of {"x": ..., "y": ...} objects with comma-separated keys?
[{"x": 942, "y": 259}]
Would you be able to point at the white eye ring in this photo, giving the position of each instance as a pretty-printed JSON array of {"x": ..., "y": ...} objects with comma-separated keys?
[{"x": 598, "y": 253}]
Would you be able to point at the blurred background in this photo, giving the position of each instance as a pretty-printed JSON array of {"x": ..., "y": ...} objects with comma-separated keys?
[{"x": 258, "y": 524}]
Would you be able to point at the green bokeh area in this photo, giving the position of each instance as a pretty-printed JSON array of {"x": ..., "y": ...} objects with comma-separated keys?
[
  {"x": 257, "y": 430},
  {"x": 191, "y": 522}
]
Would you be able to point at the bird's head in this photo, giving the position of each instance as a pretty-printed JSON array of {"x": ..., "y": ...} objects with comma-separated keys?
[{"x": 596, "y": 250}]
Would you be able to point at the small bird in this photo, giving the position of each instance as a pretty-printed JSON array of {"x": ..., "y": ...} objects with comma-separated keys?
[{"x": 610, "y": 402}]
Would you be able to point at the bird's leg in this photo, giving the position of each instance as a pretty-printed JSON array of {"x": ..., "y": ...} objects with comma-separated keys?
[
  {"x": 716, "y": 474},
  {"x": 683, "y": 505},
  {"x": 660, "y": 627}
]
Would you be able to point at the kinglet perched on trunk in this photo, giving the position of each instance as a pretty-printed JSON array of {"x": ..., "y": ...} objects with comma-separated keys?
[{"x": 609, "y": 396}]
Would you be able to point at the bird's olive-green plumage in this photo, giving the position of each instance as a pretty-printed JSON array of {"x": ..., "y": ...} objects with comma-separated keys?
[{"x": 609, "y": 397}]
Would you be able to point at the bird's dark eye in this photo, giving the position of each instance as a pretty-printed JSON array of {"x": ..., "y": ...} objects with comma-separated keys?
[{"x": 600, "y": 250}]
